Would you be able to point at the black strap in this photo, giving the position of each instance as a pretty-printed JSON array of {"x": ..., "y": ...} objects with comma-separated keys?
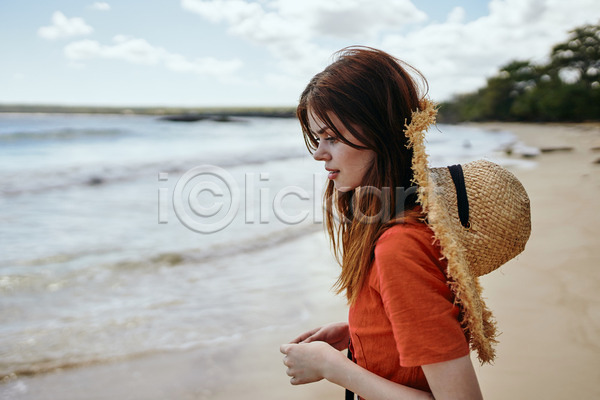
[
  {"x": 462, "y": 200},
  {"x": 349, "y": 394}
]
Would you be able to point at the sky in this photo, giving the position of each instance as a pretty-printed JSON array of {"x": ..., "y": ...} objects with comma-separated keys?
[{"x": 202, "y": 53}]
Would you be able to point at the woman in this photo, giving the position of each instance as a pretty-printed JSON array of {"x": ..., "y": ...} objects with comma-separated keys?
[{"x": 404, "y": 326}]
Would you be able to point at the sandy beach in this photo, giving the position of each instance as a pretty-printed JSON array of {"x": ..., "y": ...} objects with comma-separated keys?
[{"x": 546, "y": 302}]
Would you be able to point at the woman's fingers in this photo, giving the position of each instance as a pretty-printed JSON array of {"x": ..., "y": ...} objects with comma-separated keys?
[
  {"x": 305, "y": 361},
  {"x": 284, "y": 348},
  {"x": 305, "y": 336},
  {"x": 315, "y": 335}
]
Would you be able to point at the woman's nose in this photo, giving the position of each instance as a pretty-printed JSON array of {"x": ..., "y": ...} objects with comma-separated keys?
[{"x": 321, "y": 154}]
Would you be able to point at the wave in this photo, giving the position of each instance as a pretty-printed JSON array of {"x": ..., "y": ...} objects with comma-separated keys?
[
  {"x": 12, "y": 370},
  {"x": 62, "y": 134},
  {"x": 45, "y": 366},
  {"x": 36, "y": 182},
  {"x": 70, "y": 342},
  {"x": 44, "y": 280}
]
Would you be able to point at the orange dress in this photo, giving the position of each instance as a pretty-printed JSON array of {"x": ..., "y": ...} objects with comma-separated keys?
[{"x": 404, "y": 315}]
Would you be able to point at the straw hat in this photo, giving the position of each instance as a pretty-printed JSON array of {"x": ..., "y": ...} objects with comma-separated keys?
[{"x": 491, "y": 228}]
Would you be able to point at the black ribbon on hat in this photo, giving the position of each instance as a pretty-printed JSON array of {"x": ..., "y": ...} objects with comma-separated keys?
[{"x": 462, "y": 200}]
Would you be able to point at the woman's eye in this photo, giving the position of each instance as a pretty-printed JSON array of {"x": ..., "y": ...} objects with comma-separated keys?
[{"x": 330, "y": 139}]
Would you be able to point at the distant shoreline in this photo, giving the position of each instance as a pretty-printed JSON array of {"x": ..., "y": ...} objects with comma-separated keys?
[{"x": 191, "y": 112}]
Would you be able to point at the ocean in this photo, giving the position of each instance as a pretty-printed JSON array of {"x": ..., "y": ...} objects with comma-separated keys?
[{"x": 123, "y": 235}]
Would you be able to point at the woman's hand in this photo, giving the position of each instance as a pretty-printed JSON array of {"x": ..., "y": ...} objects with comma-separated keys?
[
  {"x": 336, "y": 335},
  {"x": 309, "y": 362}
]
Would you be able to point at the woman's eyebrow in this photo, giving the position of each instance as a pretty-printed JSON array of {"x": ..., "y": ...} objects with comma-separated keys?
[{"x": 324, "y": 130}]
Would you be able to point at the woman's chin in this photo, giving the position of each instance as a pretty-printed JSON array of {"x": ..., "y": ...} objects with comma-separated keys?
[{"x": 342, "y": 188}]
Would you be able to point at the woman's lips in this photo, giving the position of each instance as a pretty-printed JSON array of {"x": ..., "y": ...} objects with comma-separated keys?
[{"x": 332, "y": 174}]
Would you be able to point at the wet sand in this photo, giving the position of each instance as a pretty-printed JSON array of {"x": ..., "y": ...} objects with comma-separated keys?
[{"x": 546, "y": 302}]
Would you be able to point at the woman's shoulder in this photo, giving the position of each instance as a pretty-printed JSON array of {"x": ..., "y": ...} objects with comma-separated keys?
[
  {"x": 406, "y": 234},
  {"x": 412, "y": 245}
]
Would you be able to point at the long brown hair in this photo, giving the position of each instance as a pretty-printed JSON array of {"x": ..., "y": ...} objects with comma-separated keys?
[{"x": 373, "y": 95}]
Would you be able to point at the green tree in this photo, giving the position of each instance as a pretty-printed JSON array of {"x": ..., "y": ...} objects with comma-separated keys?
[
  {"x": 514, "y": 79},
  {"x": 565, "y": 89},
  {"x": 581, "y": 54}
]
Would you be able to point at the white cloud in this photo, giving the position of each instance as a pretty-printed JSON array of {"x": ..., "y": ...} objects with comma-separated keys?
[
  {"x": 273, "y": 19},
  {"x": 362, "y": 19},
  {"x": 457, "y": 57},
  {"x": 291, "y": 30},
  {"x": 456, "y": 16},
  {"x": 63, "y": 27},
  {"x": 139, "y": 51},
  {"x": 100, "y": 6},
  {"x": 232, "y": 11}
]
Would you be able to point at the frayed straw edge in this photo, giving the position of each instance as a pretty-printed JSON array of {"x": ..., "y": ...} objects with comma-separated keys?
[{"x": 477, "y": 318}]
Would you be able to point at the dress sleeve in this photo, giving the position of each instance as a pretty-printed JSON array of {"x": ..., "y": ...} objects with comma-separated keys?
[{"x": 408, "y": 274}]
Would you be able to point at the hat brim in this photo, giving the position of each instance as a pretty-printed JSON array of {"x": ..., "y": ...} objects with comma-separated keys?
[{"x": 499, "y": 226}]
